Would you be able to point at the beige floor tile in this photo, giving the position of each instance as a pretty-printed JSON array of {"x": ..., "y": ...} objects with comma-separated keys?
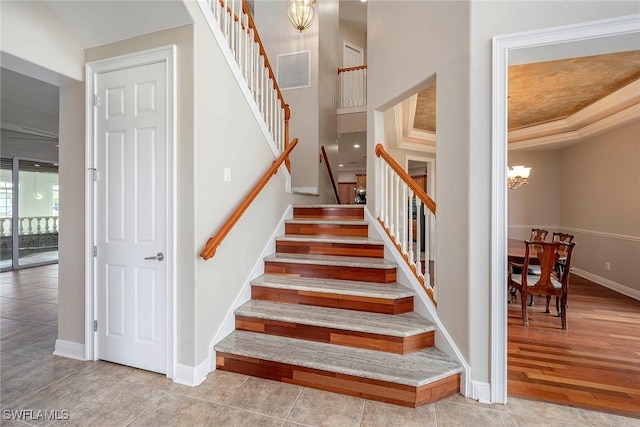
[
  {"x": 117, "y": 404},
  {"x": 228, "y": 416},
  {"x": 177, "y": 410},
  {"x": 217, "y": 388},
  {"x": 271, "y": 398},
  {"x": 458, "y": 398},
  {"x": 378, "y": 414},
  {"x": 321, "y": 408},
  {"x": 457, "y": 415},
  {"x": 602, "y": 419},
  {"x": 538, "y": 411}
]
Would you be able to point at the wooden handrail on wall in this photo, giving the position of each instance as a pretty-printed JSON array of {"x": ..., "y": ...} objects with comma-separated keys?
[
  {"x": 215, "y": 240},
  {"x": 359, "y": 67},
  {"x": 333, "y": 182},
  {"x": 428, "y": 201}
]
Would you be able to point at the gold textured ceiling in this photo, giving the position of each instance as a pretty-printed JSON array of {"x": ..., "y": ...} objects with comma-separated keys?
[{"x": 546, "y": 91}]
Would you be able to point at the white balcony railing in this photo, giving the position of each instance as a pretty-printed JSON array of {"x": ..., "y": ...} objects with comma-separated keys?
[
  {"x": 30, "y": 225},
  {"x": 353, "y": 86}
]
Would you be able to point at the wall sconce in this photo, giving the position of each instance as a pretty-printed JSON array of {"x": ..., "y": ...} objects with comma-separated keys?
[
  {"x": 301, "y": 13},
  {"x": 517, "y": 176}
]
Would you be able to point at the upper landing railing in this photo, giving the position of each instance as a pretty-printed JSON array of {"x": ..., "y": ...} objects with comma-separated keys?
[
  {"x": 236, "y": 23},
  {"x": 353, "y": 86}
]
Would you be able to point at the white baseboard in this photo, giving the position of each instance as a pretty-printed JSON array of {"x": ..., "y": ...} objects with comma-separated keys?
[
  {"x": 69, "y": 349},
  {"x": 480, "y": 391},
  {"x": 624, "y": 290},
  {"x": 192, "y": 375}
]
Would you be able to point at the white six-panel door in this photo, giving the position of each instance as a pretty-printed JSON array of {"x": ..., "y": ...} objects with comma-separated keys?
[{"x": 131, "y": 216}]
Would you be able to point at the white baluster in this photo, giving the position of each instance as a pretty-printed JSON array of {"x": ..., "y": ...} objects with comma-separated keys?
[
  {"x": 411, "y": 261},
  {"x": 405, "y": 221},
  {"x": 418, "y": 239},
  {"x": 364, "y": 83},
  {"x": 392, "y": 201},
  {"x": 398, "y": 207},
  {"x": 386, "y": 195}
]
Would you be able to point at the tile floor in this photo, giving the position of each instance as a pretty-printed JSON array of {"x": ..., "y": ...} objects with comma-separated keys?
[{"x": 106, "y": 394}]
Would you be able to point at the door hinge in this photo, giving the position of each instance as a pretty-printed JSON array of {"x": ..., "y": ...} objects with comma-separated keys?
[
  {"x": 95, "y": 326},
  {"x": 96, "y": 100},
  {"x": 95, "y": 251},
  {"x": 95, "y": 174}
]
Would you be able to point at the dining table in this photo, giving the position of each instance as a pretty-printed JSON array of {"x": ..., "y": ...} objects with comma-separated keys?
[{"x": 516, "y": 249}]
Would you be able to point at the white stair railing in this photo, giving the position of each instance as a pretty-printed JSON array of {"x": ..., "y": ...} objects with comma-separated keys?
[
  {"x": 353, "y": 86},
  {"x": 236, "y": 24},
  {"x": 407, "y": 213}
]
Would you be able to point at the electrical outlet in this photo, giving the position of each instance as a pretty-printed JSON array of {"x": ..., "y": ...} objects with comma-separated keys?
[
  {"x": 227, "y": 174},
  {"x": 607, "y": 266}
]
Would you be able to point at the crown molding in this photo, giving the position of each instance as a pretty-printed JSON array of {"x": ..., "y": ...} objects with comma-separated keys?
[{"x": 616, "y": 109}]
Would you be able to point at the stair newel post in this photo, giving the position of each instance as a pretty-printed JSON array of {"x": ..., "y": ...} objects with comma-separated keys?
[
  {"x": 287, "y": 116},
  {"x": 379, "y": 187}
]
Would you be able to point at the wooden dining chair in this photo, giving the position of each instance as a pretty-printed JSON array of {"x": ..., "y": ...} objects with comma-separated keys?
[
  {"x": 538, "y": 234},
  {"x": 547, "y": 283},
  {"x": 565, "y": 238}
]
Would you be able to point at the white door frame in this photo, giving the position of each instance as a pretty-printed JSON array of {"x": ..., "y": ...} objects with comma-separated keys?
[
  {"x": 164, "y": 55},
  {"x": 552, "y": 43}
]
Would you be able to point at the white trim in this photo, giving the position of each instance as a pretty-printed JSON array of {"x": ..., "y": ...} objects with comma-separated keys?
[
  {"x": 70, "y": 349},
  {"x": 503, "y": 46},
  {"x": 624, "y": 290},
  {"x": 352, "y": 110},
  {"x": 192, "y": 375},
  {"x": 229, "y": 324},
  {"x": 237, "y": 74},
  {"x": 481, "y": 391},
  {"x": 167, "y": 55},
  {"x": 444, "y": 341},
  {"x": 305, "y": 190},
  {"x": 580, "y": 231}
]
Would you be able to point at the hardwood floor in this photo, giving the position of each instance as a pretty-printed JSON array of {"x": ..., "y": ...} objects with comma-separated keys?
[{"x": 595, "y": 364}]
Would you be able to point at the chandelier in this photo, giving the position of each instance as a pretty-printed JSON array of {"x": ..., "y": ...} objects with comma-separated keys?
[
  {"x": 517, "y": 176},
  {"x": 301, "y": 13}
]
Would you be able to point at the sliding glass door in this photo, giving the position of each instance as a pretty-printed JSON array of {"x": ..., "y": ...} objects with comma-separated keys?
[{"x": 29, "y": 213}]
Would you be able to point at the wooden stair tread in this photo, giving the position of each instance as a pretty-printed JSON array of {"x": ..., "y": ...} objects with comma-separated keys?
[
  {"x": 334, "y": 286},
  {"x": 329, "y": 206},
  {"x": 328, "y": 221},
  {"x": 330, "y": 260},
  {"x": 329, "y": 239},
  {"x": 396, "y": 325},
  {"x": 415, "y": 369}
]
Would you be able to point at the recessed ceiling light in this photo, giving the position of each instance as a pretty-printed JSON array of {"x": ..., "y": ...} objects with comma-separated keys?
[
  {"x": 356, "y": 145},
  {"x": 363, "y": 1},
  {"x": 341, "y": 165},
  {"x": 36, "y": 165}
]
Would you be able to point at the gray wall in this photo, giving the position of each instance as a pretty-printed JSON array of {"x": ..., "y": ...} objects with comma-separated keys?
[{"x": 590, "y": 189}]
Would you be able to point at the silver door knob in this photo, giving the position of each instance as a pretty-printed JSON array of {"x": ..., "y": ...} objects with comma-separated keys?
[{"x": 159, "y": 257}]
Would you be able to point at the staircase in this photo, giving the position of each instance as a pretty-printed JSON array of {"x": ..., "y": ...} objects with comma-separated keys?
[{"x": 328, "y": 314}]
